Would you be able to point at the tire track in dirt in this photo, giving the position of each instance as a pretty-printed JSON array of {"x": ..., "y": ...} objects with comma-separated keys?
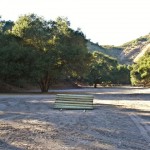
[{"x": 144, "y": 129}]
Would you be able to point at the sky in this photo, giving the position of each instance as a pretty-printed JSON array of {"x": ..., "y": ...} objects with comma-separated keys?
[{"x": 106, "y": 22}]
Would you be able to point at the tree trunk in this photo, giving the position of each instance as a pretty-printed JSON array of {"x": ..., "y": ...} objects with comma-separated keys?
[
  {"x": 44, "y": 84},
  {"x": 44, "y": 89},
  {"x": 95, "y": 85}
]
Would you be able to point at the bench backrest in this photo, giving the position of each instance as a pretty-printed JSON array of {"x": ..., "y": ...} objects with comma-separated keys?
[{"x": 73, "y": 101}]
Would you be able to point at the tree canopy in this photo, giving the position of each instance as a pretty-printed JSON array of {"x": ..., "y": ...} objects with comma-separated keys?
[
  {"x": 140, "y": 71},
  {"x": 43, "y": 51},
  {"x": 105, "y": 70}
]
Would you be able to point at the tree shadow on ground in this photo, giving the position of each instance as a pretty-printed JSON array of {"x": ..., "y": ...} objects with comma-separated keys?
[
  {"x": 107, "y": 126},
  {"x": 5, "y": 146},
  {"x": 107, "y": 96}
]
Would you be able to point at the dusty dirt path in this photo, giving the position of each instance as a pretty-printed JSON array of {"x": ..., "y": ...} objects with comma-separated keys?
[{"x": 120, "y": 121}]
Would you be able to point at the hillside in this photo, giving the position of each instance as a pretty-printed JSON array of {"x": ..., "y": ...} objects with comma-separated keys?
[
  {"x": 144, "y": 50},
  {"x": 134, "y": 49},
  {"x": 106, "y": 49},
  {"x": 127, "y": 53}
]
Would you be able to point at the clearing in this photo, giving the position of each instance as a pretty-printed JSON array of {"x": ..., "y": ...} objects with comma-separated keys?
[{"x": 120, "y": 120}]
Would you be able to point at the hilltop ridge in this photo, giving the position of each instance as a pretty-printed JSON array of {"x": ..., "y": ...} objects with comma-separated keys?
[{"x": 128, "y": 53}]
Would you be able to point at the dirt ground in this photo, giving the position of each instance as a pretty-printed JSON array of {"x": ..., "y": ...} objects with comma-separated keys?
[{"x": 120, "y": 120}]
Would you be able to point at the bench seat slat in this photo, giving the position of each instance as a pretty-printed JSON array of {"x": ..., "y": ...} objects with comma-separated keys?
[
  {"x": 75, "y": 95},
  {"x": 73, "y": 102},
  {"x": 72, "y": 107},
  {"x": 77, "y": 99}
]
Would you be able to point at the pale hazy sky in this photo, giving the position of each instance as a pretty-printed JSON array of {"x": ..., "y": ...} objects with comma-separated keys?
[{"x": 111, "y": 22}]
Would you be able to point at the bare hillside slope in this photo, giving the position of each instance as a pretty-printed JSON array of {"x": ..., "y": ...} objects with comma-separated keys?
[{"x": 127, "y": 53}]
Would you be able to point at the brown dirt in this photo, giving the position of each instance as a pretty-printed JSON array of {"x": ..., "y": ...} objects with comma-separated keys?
[{"x": 120, "y": 120}]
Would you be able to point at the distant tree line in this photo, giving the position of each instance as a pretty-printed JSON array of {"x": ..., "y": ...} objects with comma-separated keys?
[
  {"x": 35, "y": 50},
  {"x": 105, "y": 70}
]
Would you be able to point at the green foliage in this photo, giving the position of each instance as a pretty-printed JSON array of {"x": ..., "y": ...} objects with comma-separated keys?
[
  {"x": 42, "y": 51},
  {"x": 140, "y": 72},
  {"x": 121, "y": 75},
  {"x": 6, "y": 26},
  {"x": 137, "y": 41},
  {"x": 106, "y": 70},
  {"x": 101, "y": 68},
  {"x": 15, "y": 59},
  {"x": 73, "y": 54},
  {"x": 33, "y": 30}
]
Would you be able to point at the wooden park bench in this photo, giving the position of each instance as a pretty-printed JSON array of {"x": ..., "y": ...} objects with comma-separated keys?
[{"x": 73, "y": 101}]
